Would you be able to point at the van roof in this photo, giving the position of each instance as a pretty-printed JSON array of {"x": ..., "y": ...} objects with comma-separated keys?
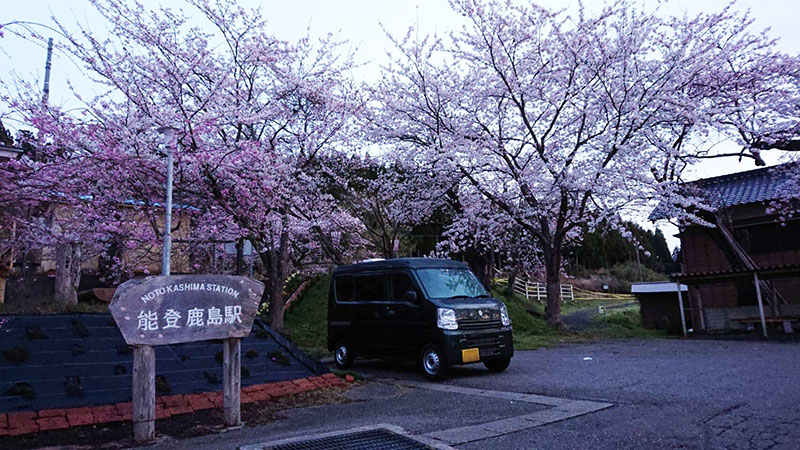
[{"x": 404, "y": 263}]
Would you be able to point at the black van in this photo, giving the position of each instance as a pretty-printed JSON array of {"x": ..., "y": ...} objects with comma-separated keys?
[{"x": 434, "y": 311}]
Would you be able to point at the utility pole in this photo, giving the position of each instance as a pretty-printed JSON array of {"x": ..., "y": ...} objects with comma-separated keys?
[
  {"x": 639, "y": 263},
  {"x": 47, "y": 65}
]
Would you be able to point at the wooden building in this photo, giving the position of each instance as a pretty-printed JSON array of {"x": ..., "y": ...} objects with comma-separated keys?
[
  {"x": 659, "y": 306},
  {"x": 743, "y": 272}
]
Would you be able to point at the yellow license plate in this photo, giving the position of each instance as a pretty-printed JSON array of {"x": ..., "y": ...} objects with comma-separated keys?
[{"x": 470, "y": 355}]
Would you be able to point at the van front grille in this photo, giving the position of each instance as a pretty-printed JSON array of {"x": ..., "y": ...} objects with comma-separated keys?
[
  {"x": 488, "y": 345},
  {"x": 482, "y": 341},
  {"x": 467, "y": 324}
]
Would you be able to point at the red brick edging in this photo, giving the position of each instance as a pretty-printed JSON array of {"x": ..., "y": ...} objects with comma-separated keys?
[{"x": 24, "y": 422}]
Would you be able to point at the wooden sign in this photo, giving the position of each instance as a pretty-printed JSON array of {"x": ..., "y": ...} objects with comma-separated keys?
[
  {"x": 165, "y": 310},
  {"x": 184, "y": 308}
]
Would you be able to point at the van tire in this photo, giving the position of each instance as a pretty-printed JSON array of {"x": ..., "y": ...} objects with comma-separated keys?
[
  {"x": 343, "y": 355},
  {"x": 432, "y": 362},
  {"x": 497, "y": 365}
]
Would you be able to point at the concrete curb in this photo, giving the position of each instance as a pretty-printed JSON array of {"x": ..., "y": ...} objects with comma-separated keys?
[
  {"x": 560, "y": 409},
  {"x": 26, "y": 422}
]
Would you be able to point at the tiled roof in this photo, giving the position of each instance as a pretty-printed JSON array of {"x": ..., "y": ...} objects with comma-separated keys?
[{"x": 752, "y": 186}]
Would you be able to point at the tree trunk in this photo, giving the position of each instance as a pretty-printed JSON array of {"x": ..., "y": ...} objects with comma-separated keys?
[
  {"x": 553, "y": 282},
  {"x": 240, "y": 256},
  {"x": 490, "y": 268},
  {"x": 68, "y": 273},
  {"x": 478, "y": 263},
  {"x": 512, "y": 278}
]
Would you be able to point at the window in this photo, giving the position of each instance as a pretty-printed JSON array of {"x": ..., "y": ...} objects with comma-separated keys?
[
  {"x": 345, "y": 289},
  {"x": 449, "y": 283},
  {"x": 371, "y": 288},
  {"x": 401, "y": 283}
]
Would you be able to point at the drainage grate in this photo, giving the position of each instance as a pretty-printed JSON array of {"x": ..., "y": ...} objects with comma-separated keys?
[{"x": 380, "y": 439}]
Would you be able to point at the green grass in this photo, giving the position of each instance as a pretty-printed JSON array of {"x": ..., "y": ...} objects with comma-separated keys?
[
  {"x": 530, "y": 332},
  {"x": 569, "y": 307},
  {"x": 626, "y": 323},
  {"x": 306, "y": 321}
]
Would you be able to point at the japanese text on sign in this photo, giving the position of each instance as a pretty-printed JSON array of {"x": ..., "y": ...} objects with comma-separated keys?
[{"x": 195, "y": 317}]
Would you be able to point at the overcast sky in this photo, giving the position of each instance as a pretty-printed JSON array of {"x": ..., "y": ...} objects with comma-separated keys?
[{"x": 361, "y": 22}]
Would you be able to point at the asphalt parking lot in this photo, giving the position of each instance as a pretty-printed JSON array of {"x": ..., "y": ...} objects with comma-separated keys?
[{"x": 652, "y": 393}]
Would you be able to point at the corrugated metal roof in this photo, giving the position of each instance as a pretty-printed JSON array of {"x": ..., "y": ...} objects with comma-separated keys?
[{"x": 752, "y": 186}]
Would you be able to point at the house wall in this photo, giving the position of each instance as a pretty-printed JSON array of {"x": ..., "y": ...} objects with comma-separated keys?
[
  {"x": 143, "y": 258},
  {"x": 768, "y": 242},
  {"x": 660, "y": 311}
]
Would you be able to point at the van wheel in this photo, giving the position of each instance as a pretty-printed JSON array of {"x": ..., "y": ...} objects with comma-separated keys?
[
  {"x": 343, "y": 355},
  {"x": 497, "y": 365},
  {"x": 433, "y": 363}
]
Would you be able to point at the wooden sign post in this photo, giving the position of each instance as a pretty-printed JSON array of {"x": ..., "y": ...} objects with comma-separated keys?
[{"x": 184, "y": 308}]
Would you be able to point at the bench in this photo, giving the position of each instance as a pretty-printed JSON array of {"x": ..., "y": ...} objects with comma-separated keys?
[{"x": 786, "y": 321}]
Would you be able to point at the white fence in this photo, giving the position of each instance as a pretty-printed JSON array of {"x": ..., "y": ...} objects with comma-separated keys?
[{"x": 533, "y": 290}]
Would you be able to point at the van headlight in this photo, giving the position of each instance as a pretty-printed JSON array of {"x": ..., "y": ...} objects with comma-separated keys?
[
  {"x": 446, "y": 319},
  {"x": 504, "y": 316}
]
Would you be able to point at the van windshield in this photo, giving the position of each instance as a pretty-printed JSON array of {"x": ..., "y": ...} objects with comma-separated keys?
[{"x": 451, "y": 283}]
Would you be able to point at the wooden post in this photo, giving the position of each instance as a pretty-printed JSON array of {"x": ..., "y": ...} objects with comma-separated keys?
[
  {"x": 700, "y": 308},
  {"x": 680, "y": 305},
  {"x": 144, "y": 394},
  {"x": 232, "y": 382},
  {"x": 760, "y": 304}
]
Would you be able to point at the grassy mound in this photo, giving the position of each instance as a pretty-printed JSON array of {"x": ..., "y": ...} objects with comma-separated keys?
[
  {"x": 306, "y": 321},
  {"x": 530, "y": 331}
]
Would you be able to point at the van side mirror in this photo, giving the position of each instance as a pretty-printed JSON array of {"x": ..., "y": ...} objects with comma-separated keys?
[{"x": 410, "y": 296}]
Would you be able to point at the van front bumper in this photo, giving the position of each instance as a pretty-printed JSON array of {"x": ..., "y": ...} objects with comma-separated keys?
[{"x": 493, "y": 344}]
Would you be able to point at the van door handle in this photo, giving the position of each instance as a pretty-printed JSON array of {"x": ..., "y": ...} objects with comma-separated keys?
[{"x": 390, "y": 312}]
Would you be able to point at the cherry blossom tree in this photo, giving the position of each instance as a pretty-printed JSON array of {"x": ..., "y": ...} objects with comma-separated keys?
[
  {"x": 252, "y": 112},
  {"x": 559, "y": 120}
]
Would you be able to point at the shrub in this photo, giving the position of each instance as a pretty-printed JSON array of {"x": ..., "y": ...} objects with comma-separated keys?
[
  {"x": 77, "y": 349},
  {"x": 261, "y": 334},
  {"x": 23, "y": 389},
  {"x": 72, "y": 385},
  {"x": 79, "y": 328},
  {"x": 162, "y": 385},
  {"x": 279, "y": 357},
  {"x": 251, "y": 354},
  {"x": 16, "y": 355},
  {"x": 124, "y": 349},
  {"x": 34, "y": 332},
  {"x": 210, "y": 377}
]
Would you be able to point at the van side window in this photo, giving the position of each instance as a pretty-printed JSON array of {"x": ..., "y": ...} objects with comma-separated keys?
[
  {"x": 345, "y": 289},
  {"x": 371, "y": 288},
  {"x": 401, "y": 283}
]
